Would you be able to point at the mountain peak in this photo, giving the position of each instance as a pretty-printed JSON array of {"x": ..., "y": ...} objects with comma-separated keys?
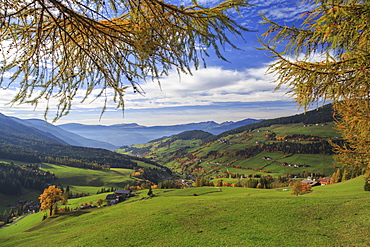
[{"x": 129, "y": 125}]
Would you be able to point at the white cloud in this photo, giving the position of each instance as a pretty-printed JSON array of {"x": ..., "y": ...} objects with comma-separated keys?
[
  {"x": 205, "y": 87},
  {"x": 277, "y": 10},
  {"x": 210, "y": 84}
]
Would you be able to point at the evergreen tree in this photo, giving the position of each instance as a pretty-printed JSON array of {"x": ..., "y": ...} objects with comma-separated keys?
[
  {"x": 197, "y": 182},
  {"x": 238, "y": 184}
]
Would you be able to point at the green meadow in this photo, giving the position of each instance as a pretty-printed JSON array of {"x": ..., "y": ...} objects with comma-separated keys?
[
  {"x": 87, "y": 180},
  {"x": 332, "y": 215}
]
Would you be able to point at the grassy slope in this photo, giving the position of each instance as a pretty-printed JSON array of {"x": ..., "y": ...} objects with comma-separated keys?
[
  {"x": 333, "y": 215},
  {"x": 88, "y": 180},
  {"x": 287, "y": 129}
]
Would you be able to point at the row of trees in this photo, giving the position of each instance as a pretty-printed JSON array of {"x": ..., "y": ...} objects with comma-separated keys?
[
  {"x": 321, "y": 147},
  {"x": 75, "y": 163},
  {"x": 265, "y": 182},
  {"x": 11, "y": 153},
  {"x": 296, "y": 137},
  {"x": 169, "y": 184}
]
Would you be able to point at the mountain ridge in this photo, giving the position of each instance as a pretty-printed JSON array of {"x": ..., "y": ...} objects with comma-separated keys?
[
  {"x": 11, "y": 129},
  {"x": 68, "y": 137}
]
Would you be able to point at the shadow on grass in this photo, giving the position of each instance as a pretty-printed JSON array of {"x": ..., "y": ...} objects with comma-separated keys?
[
  {"x": 57, "y": 217},
  {"x": 76, "y": 213},
  {"x": 197, "y": 194},
  {"x": 205, "y": 193}
]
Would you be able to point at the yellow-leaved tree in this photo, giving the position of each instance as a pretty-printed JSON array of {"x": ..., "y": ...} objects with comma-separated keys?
[
  {"x": 327, "y": 58},
  {"x": 52, "y": 48},
  {"x": 49, "y": 199}
]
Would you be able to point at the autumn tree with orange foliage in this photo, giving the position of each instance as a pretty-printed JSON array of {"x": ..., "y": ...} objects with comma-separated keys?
[
  {"x": 297, "y": 188},
  {"x": 49, "y": 199},
  {"x": 100, "y": 202}
]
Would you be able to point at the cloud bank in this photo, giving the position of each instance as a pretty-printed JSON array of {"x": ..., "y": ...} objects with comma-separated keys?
[
  {"x": 221, "y": 92},
  {"x": 208, "y": 92}
]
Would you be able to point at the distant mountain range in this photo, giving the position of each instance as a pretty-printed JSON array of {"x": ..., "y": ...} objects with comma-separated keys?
[
  {"x": 129, "y": 134},
  {"x": 44, "y": 131},
  {"x": 35, "y": 141},
  {"x": 107, "y": 137},
  {"x": 114, "y": 136}
]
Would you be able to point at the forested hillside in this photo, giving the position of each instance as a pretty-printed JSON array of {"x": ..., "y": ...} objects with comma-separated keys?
[
  {"x": 13, "y": 178},
  {"x": 24, "y": 143}
]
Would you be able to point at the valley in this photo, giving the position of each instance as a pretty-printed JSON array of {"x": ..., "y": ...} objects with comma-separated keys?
[
  {"x": 236, "y": 186},
  {"x": 270, "y": 149}
]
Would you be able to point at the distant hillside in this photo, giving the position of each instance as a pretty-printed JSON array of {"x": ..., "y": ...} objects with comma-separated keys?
[
  {"x": 30, "y": 159},
  {"x": 187, "y": 135},
  {"x": 320, "y": 115},
  {"x": 129, "y": 134},
  {"x": 244, "y": 150},
  {"x": 12, "y": 131},
  {"x": 68, "y": 137}
]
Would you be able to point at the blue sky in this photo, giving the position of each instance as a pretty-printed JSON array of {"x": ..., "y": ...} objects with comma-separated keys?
[{"x": 221, "y": 92}]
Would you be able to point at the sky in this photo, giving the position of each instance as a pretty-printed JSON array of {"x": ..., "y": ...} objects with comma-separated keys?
[{"x": 224, "y": 91}]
